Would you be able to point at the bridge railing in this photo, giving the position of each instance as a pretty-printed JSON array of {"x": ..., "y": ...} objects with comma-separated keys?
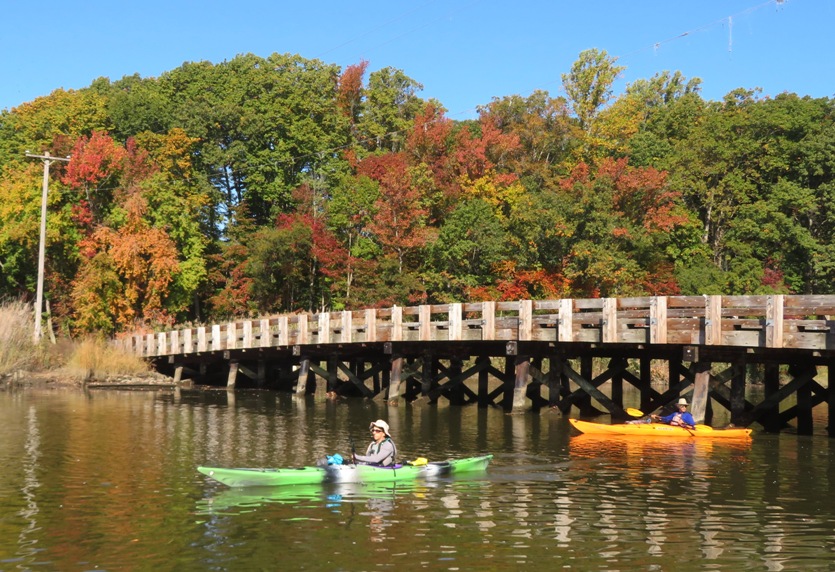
[{"x": 775, "y": 321}]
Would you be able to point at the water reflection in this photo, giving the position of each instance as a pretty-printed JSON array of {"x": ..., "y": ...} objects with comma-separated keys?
[
  {"x": 105, "y": 480},
  {"x": 27, "y": 540}
]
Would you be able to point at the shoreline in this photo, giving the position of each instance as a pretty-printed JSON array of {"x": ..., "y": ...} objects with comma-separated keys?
[{"x": 24, "y": 378}]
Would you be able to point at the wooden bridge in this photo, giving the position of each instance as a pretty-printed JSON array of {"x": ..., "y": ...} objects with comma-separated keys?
[{"x": 531, "y": 354}]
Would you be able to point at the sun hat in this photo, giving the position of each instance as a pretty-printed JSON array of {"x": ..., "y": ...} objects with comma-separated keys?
[
  {"x": 382, "y": 425},
  {"x": 682, "y": 401}
]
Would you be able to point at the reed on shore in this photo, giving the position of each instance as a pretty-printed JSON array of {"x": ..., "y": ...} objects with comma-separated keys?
[{"x": 66, "y": 360}]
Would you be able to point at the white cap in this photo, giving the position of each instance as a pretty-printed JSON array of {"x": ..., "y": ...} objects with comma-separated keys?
[
  {"x": 682, "y": 401},
  {"x": 382, "y": 425}
]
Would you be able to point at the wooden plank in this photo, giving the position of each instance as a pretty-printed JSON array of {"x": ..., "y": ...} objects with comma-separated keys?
[
  {"x": 174, "y": 343},
  {"x": 346, "y": 325},
  {"x": 566, "y": 326},
  {"x": 488, "y": 317},
  {"x": 265, "y": 335},
  {"x": 425, "y": 323},
  {"x": 713, "y": 320},
  {"x": 323, "y": 336},
  {"x": 774, "y": 321},
  {"x": 161, "y": 349},
  {"x": 371, "y": 325},
  {"x": 658, "y": 320},
  {"x": 283, "y": 331},
  {"x": 231, "y": 336},
  {"x": 216, "y": 342},
  {"x": 247, "y": 339},
  {"x": 396, "y": 324},
  {"x": 609, "y": 320},
  {"x": 188, "y": 344},
  {"x": 302, "y": 333},
  {"x": 524, "y": 324},
  {"x": 202, "y": 342},
  {"x": 455, "y": 322}
]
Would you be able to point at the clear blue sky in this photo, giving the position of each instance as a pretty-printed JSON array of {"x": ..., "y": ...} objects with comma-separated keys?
[{"x": 464, "y": 52}]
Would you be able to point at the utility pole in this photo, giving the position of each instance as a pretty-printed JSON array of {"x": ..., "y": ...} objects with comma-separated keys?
[{"x": 47, "y": 160}]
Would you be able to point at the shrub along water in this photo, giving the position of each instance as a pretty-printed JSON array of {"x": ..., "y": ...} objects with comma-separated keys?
[{"x": 70, "y": 360}]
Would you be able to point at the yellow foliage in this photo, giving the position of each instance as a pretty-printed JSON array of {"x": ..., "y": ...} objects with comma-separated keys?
[{"x": 502, "y": 197}]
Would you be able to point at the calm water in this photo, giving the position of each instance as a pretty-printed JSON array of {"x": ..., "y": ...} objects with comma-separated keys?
[{"x": 107, "y": 481}]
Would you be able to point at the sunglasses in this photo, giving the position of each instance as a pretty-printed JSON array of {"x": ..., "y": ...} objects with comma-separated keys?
[{"x": 377, "y": 431}]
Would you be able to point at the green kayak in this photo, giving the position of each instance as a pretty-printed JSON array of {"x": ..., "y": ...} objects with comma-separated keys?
[{"x": 343, "y": 473}]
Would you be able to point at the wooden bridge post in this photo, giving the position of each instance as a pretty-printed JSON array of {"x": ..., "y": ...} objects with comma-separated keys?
[
  {"x": 303, "y": 374},
  {"x": 586, "y": 372},
  {"x": 830, "y": 398},
  {"x": 617, "y": 365},
  {"x": 483, "y": 381},
  {"x": 646, "y": 383},
  {"x": 770, "y": 418},
  {"x": 508, "y": 382},
  {"x": 233, "y": 375},
  {"x": 427, "y": 383},
  {"x": 522, "y": 368},
  {"x": 738, "y": 392},
  {"x": 805, "y": 375},
  {"x": 700, "y": 391},
  {"x": 456, "y": 394},
  {"x": 395, "y": 380},
  {"x": 262, "y": 373}
]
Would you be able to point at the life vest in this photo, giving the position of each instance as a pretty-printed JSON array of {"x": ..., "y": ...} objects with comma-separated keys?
[{"x": 380, "y": 446}]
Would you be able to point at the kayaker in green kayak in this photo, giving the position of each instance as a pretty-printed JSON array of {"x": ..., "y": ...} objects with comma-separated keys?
[{"x": 381, "y": 451}]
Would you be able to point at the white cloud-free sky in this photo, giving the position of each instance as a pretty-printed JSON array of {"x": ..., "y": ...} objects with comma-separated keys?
[{"x": 464, "y": 52}]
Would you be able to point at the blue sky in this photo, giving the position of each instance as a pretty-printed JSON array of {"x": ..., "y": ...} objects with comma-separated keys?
[{"x": 464, "y": 52}]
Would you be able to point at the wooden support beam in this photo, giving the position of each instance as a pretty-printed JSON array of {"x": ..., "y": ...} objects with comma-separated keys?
[
  {"x": 804, "y": 396},
  {"x": 483, "y": 363},
  {"x": 830, "y": 398},
  {"x": 738, "y": 393},
  {"x": 394, "y": 392},
  {"x": 356, "y": 380},
  {"x": 590, "y": 389},
  {"x": 700, "y": 392},
  {"x": 303, "y": 375},
  {"x": 521, "y": 381},
  {"x": 233, "y": 375}
]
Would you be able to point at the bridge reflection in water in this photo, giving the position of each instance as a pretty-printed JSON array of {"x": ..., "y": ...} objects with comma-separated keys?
[{"x": 533, "y": 354}]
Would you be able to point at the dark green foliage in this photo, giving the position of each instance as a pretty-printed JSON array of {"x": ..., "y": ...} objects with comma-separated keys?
[{"x": 289, "y": 184}]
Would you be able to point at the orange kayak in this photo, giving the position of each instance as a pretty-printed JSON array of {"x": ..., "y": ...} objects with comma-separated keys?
[{"x": 659, "y": 430}]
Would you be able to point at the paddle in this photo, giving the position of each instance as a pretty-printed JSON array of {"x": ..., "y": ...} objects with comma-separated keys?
[{"x": 353, "y": 448}]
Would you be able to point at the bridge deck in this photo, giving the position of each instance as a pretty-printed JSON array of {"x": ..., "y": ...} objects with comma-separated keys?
[{"x": 796, "y": 322}]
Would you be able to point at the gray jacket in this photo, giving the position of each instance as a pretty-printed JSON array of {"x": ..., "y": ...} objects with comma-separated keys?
[{"x": 383, "y": 454}]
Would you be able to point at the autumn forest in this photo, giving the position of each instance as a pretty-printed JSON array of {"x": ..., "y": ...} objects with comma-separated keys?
[{"x": 269, "y": 185}]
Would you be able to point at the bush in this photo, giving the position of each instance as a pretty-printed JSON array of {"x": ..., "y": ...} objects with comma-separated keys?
[{"x": 94, "y": 358}]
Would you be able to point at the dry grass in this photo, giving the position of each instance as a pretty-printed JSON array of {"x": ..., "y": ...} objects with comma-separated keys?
[
  {"x": 17, "y": 350},
  {"x": 96, "y": 359},
  {"x": 78, "y": 360}
]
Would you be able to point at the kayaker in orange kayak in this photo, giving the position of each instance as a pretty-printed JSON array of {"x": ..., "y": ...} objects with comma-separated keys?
[{"x": 679, "y": 418}]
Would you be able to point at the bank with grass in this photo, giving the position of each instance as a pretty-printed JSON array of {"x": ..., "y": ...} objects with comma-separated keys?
[{"x": 63, "y": 361}]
